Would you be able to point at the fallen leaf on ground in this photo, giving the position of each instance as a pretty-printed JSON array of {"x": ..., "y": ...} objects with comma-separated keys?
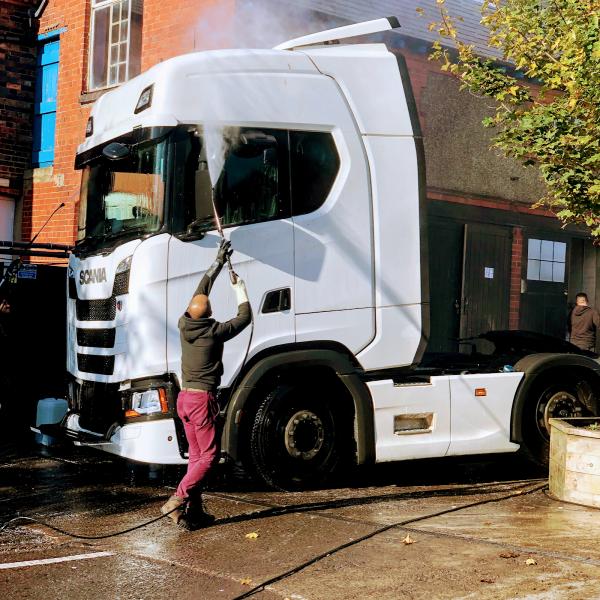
[
  {"x": 509, "y": 555},
  {"x": 246, "y": 581},
  {"x": 408, "y": 539},
  {"x": 252, "y": 536},
  {"x": 530, "y": 561}
]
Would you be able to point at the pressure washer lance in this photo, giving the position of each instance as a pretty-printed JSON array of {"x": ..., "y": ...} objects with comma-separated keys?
[{"x": 232, "y": 274}]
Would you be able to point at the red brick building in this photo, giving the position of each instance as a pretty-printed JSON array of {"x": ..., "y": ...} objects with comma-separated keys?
[
  {"x": 17, "y": 75},
  {"x": 479, "y": 205}
]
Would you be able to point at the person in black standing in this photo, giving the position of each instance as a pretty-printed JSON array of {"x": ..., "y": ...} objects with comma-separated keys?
[
  {"x": 202, "y": 340},
  {"x": 583, "y": 323}
]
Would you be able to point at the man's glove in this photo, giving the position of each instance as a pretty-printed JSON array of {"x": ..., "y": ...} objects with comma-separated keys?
[
  {"x": 239, "y": 287},
  {"x": 224, "y": 252}
]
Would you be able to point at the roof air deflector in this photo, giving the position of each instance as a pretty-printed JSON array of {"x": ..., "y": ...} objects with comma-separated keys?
[{"x": 340, "y": 33}]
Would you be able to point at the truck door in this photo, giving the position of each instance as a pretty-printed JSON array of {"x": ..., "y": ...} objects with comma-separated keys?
[
  {"x": 252, "y": 198},
  {"x": 334, "y": 291}
]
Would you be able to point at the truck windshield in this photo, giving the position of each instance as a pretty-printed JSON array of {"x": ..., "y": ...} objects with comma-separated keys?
[{"x": 123, "y": 198}]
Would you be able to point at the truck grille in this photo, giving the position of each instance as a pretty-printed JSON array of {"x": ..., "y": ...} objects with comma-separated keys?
[
  {"x": 96, "y": 338},
  {"x": 96, "y": 310},
  {"x": 121, "y": 283},
  {"x": 94, "y": 363}
]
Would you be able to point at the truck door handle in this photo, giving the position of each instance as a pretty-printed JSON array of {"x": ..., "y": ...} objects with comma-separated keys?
[{"x": 277, "y": 301}]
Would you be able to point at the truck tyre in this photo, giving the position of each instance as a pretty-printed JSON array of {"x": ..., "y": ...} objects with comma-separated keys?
[
  {"x": 295, "y": 441},
  {"x": 558, "y": 398}
]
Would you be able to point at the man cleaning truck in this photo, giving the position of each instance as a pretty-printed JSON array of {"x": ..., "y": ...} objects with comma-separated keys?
[
  {"x": 311, "y": 153},
  {"x": 202, "y": 340}
]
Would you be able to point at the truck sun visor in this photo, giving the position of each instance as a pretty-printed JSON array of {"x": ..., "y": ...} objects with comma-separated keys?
[{"x": 145, "y": 100}]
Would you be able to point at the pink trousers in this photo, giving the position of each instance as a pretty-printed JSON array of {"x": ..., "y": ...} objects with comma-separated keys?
[{"x": 198, "y": 410}]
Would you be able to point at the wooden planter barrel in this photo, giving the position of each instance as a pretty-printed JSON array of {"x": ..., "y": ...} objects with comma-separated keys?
[{"x": 575, "y": 460}]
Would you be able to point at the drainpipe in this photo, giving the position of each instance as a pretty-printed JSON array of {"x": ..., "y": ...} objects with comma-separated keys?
[{"x": 36, "y": 13}]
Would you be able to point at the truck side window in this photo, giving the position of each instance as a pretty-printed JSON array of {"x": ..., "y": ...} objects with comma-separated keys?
[
  {"x": 314, "y": 166},
  {"x": 253, "y": 186}
]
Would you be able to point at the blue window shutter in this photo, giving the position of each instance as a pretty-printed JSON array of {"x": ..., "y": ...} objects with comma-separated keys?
[{"x": 46, "y": 88}]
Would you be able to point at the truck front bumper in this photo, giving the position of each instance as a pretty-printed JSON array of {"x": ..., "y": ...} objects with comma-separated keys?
[{"x": 147, "y": 442}]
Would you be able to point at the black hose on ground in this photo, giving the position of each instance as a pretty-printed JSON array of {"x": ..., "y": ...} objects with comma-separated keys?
[
  {"x": 277, "y": 511},
  {"x": 85, "y": 537}
]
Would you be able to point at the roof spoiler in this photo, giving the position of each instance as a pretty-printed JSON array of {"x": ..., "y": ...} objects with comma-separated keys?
[{"x": 339, "y": 33}]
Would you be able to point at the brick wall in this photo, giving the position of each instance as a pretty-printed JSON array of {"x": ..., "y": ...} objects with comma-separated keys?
[
  {"x": 169, "y": 28},
  {"x": 172, "y": 28},
  {"x": 46, "y": 188},
  {"x": 515, "y": 278},
  {"x": 17, "y": 73}
]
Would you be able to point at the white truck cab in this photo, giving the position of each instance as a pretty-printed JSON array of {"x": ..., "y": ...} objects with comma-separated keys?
[{"x": 321, "y": 193}]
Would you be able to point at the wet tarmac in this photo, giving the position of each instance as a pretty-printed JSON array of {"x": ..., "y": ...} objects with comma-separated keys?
[{"x": 454, "y": 528}]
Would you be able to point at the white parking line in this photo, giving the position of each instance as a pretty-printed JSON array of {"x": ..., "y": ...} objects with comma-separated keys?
[{"x": 49, "y": 561}]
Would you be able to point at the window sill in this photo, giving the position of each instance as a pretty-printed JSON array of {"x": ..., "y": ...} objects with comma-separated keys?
[{"x": 89, "y": 97}]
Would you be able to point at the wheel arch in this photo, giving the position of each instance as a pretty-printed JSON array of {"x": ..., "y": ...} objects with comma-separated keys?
[
  {"x": 334, "y": 357},
  {"x": 537, "y": 367}
]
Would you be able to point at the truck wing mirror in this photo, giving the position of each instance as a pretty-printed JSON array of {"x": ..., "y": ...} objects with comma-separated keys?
[
  {"x": 258, "y": 139},
  {"x": 197, "y": 229},
  {"x": 115, "y": 151},
  {"x": 254, "y": 143}
]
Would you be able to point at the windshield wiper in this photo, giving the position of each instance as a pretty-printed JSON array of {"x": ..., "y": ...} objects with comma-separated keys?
[
  {"x": 102, "y": 237},
  {"x": 125, "y": 231},
  {"x": 89, "y": 238}
]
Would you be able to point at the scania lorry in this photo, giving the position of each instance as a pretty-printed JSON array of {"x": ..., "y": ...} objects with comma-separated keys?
[{"x": 320, "y": 188}]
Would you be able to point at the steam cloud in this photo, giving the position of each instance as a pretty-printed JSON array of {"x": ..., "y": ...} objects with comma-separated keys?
[
  {"x": 218, "y": 140},
  {"x": 251, "y": 24},
  {"x": 257, "y": 24}
]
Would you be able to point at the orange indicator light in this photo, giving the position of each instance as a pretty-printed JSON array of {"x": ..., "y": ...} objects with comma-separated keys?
[
  {"x": 480, "y": 392},
  {"x": 164, "y": 403}
]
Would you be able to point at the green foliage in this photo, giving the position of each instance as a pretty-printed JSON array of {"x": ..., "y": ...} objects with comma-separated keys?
[{"x": 547, "y": 93}]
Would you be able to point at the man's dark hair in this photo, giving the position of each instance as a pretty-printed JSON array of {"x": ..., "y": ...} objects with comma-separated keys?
[{"x": 582, "y": 295}]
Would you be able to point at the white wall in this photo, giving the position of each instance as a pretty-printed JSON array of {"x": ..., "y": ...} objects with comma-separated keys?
[{"x": 7, "y": 218}]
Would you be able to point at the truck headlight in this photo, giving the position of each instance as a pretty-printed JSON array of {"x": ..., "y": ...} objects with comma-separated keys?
[
  {"x": 124, "y": 265},
  {"x": 148, "y": 403}
]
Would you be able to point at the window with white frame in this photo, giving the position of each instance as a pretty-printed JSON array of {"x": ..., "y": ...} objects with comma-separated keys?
[
  {"x": 115, "y": 42},
  {"x": 546, "y": 260}
]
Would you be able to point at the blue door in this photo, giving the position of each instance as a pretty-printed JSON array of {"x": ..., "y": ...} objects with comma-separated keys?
[{"x": 44, "y": 123}]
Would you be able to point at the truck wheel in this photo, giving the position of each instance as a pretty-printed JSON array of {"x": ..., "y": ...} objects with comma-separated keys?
[
  {"x": 295, "y": 438},
  {"x": 552, "y": 399}
]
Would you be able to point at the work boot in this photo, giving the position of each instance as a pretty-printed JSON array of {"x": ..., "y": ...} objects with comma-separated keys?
[
  {"x": 195, "y": 517},
  {"x": 174, "y": 507}
]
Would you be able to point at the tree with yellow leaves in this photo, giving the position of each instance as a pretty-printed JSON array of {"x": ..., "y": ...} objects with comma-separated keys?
[{"x": 546, "y": 87}]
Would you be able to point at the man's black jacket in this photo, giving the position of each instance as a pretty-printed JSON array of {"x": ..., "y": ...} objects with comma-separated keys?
[{"x": 202, "y": 341}]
